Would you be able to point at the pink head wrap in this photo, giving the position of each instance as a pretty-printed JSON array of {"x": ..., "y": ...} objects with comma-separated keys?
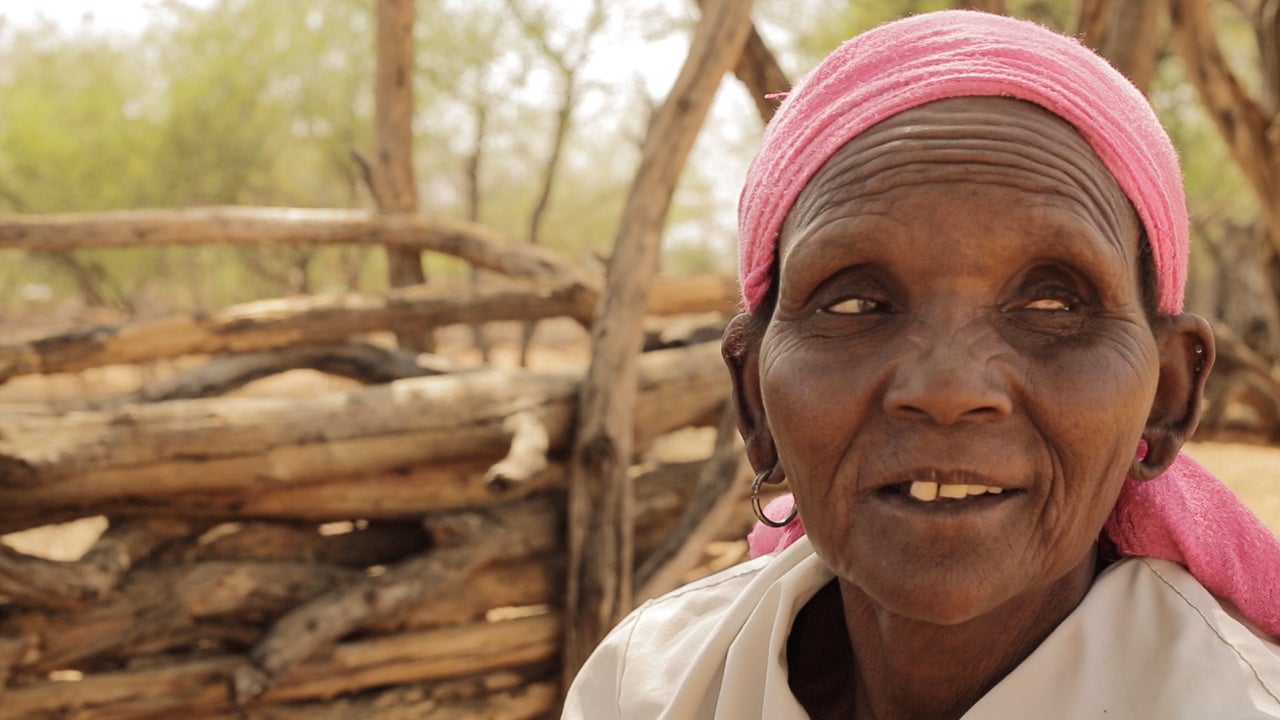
[
  {"x": 1186, "y": 515},
  {"x": 958, "y": 53}
]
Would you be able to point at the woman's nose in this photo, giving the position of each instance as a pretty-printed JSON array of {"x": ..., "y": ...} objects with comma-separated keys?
[{"x": 948, "y": 384}]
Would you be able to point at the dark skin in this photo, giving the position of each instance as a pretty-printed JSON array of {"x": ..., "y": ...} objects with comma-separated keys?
[{"x": 955, "y": 373}]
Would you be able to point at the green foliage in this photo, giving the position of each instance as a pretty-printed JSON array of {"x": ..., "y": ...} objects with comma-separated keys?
[{"x": 263, "y": 102}]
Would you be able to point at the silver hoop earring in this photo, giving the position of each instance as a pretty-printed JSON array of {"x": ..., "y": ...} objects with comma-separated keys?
[{"x": 761, "y": 479}]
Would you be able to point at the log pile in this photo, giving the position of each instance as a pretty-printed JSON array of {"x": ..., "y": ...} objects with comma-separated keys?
[{"x": 392, "y": 551}]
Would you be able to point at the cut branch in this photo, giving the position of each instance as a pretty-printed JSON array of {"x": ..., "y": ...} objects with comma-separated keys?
[
  {"x": 1241, "y": 121},
  {"x": 528, "y": 454},
  {"x": 259, "y": 452},
  {"x": 288, "y": 322},
  {"x": 759, "y": 71},
  {"x": 320, "y": 622},
  {"x": 363, "y": 362},
  {"x": 197, "y": 687},
  {"x": 600, "y": 536},
  {"x": 707, "y": 511},
  {"x": 243, "y": 225},
  {"x": 37, "y": 582}
]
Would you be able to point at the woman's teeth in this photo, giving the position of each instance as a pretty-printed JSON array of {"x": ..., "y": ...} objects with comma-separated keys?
[{"x": 930, "y": 491}]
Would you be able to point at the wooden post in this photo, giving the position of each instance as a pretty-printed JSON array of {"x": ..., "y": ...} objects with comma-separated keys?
[
  {"x": 600, "y": 532},
  {"x": 392, "y": 181}
]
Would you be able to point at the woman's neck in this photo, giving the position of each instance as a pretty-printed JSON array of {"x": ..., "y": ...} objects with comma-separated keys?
[{"x": 894, "y": 668}]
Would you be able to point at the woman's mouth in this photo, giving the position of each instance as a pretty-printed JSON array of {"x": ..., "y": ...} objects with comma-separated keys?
[{"x": 927, "y": 491}]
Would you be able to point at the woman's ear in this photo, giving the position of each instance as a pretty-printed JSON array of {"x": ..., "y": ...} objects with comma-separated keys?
[
  {"x": 741, "y": 352},
  {"x": 1186, "y": 357}
]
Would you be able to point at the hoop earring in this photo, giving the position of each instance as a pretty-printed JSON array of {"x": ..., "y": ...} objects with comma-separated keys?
[{"x": 762, "y": 478}]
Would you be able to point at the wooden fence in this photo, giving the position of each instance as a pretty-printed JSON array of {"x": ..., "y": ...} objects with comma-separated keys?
[{"x": 393, "y": 551}]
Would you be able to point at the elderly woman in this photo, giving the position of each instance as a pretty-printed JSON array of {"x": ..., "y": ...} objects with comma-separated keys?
[{"x": 963, "y": 250}]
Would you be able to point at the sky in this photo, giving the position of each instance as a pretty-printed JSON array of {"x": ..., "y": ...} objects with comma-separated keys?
[{"x": 122, "y": 16}]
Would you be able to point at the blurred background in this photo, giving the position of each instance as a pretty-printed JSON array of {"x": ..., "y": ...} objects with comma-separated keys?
[{"x": 209, "y": 447}]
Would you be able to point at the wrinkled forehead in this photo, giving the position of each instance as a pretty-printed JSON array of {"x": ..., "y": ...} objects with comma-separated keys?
[
  {"x": 968, "y": 142},
  {"x": 951, "y": 54}
]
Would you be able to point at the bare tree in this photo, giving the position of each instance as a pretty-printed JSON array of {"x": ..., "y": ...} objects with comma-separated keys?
[
  {"x": 1249, "y": 126},
  {"x": 480, "y": 118},
  {"x": 567, "y": 62},
  {"x": 391, "y": 177},
  {"x": 600, "y": 534}
]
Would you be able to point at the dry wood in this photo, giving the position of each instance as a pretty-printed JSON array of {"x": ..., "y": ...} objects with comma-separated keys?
[
  {"x": 682, "y": 331},
  {"x": 158, "y": 608},
  {"x": 225, "y": 587},
  {"x": 359, "y": 361},
  {"x": 710, "y": 508},
  {"x": 37, "y": 582},
  {"x": 1241, "y": 376},
  {"x": 249, "y": 452},
  {"x": 600, "y": 538},
  {"x": 391, "y": 177},
  {"x": 286, "y": 323},
  {"x": 290, "y": 322},
  {"x": 169, "y": 608},
  {"x": 392, "y": 495},
  {"x": 1249, "y": 131},
  {"x": 1266, "y": 24},
  {"x": 758, "y": 70},
  {"x": 201, "y": 686},
  {"x": 244, "y": 225},
  {"x": 11, "y": 649},
  {"x": 359, "y": 545},
  {"x": 529, "y": 701},
  {"x": 536, "y": 580},
  {"x": 528, "y": 455},
  {"x": 520, "y": 528},
  {"x": 501, "y": 696},
  {"x": 696, "y": 294}
]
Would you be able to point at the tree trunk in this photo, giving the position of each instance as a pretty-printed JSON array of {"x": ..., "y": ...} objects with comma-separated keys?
[
  {"x": 474, "y": 243},
  {"x": 1244, "y": 123},
  {"x": 1125, "y": 33},
  {"x": 1248, "y": 125},
  {"x": 600, "y": 535},
  {"x": 290, "y": 325},
  {"x": 758, "y": 70},
  {"x": 395, "y": 189}
]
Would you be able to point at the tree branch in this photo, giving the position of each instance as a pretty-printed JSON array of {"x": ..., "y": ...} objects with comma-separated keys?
[{"x": 1242, "y": 122}]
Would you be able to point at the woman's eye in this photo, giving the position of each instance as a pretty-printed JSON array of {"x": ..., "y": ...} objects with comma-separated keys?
[
  {"x": 853, "y": 306},
  {"x": 1053, "y": 304}
]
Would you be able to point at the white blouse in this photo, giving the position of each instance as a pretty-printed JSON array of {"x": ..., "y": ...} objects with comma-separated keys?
[{"x": 1146, "y": 642}]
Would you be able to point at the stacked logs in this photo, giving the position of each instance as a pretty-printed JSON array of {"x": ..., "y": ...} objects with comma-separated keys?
[
  {"x": 390, "y": 551},
  {"x": 393, "y": 551}
]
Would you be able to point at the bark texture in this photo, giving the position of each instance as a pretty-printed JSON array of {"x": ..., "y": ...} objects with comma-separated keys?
[{"x": 600, "y": 539}]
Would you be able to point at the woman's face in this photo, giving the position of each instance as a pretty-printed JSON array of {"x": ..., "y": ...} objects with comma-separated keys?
[{"x": 959, "y": 366}]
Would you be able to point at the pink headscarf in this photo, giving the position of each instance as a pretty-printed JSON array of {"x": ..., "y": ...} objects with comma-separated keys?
[
  {"x": 958, "y": 53},
  {"x": 1186, "y": 515}
]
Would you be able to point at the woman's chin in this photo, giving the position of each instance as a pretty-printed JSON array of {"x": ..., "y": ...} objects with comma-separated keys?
[{"x": 959, "y": 590}]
